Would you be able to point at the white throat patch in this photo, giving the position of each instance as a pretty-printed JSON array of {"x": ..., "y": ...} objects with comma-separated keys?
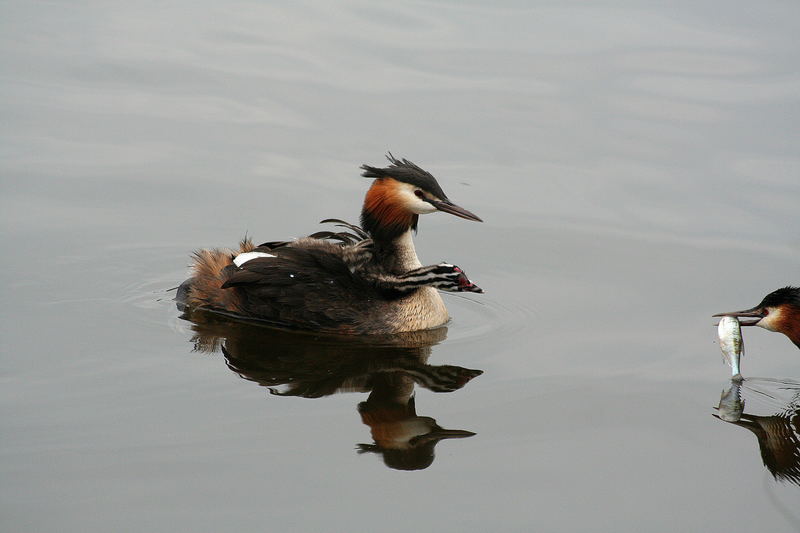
[
  {"x": 411, "y": 202},
  {"x": 770, "y": 322}
]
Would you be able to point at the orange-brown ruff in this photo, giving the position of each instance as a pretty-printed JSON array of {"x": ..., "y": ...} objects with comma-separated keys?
[
  {"x": 789, "y": 324},
  {"x": 360, "y": 281},
  {"x": 384, "y": 202}
]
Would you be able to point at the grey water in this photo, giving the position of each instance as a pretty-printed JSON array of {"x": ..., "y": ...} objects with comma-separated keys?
[{"x": 637, "y": 168}]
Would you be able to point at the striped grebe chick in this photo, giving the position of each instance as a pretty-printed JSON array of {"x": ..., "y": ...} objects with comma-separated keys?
[
  {"x": 367, "y": 280},
  {"x": 778, "y": 311}
]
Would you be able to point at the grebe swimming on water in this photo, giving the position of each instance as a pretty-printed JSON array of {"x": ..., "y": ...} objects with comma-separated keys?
[{"x": 367, "y": 280}]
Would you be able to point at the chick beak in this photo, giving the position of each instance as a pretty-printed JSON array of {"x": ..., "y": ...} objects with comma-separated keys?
[
  {"x": 754, "y": 314},
  {"x": 447, "y": 206}
]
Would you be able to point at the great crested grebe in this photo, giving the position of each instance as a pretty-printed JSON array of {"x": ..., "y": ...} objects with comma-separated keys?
[
  {"x": 778, "y": 311},
  {"x": 365, "y": 281}
]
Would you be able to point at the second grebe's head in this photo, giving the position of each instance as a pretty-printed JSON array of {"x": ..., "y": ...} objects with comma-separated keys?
[
  {"x": 778, "y": 311},
  {"x": 400, "y": 193}
]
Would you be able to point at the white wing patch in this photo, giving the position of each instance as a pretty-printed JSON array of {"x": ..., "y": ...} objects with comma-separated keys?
[{"x": 241, "y": 259}]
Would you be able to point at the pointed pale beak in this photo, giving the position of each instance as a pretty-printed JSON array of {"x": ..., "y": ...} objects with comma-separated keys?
[
  {"x": 447, "y": 206},
  {"x": 451, "y": 434},
  {"x": 440, "y": 434},
  {"x": 754, "y": 314}
]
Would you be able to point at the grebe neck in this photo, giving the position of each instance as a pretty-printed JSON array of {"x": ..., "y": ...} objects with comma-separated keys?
[{"x": 397, "y": 255}]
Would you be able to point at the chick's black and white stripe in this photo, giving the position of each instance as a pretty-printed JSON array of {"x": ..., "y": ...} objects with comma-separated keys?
[{"x": 444, "y": 276}]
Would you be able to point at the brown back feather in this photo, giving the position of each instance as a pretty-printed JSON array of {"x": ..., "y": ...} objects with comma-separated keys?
[{"x": 211, "y": 269}]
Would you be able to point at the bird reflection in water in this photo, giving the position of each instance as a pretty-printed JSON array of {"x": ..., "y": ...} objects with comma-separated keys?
[
  {"x": 774, "y": 418},
  {"x": 311, "y": 366}
]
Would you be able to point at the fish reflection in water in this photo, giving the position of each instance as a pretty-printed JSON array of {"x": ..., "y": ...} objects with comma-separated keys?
[
  {"x": 731, "y": 405},
  {"x": 773, "y": 417},
  {"x": 312, "y": 366}
]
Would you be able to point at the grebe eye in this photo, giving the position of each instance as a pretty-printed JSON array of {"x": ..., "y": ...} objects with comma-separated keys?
[{"x": 419, "y": 194}]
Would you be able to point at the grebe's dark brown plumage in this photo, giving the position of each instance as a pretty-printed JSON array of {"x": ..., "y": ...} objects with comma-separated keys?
[
  {"x": 778, "y": 311},
  {"x": 357, "y": 281}
]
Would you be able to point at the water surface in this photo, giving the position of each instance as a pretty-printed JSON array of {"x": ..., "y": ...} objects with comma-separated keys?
[{"x": 637, "y": 169}]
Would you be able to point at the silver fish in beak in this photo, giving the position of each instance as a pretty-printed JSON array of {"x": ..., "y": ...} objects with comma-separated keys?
[{"x": 731, "y": 344}]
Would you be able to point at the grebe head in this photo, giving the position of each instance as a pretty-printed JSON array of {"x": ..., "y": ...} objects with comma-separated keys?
[
  {"x": 400, "y": 193},
  {"x": 778, "y": 311}
]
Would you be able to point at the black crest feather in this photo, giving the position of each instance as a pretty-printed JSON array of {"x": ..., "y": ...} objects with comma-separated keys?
[
  {"x": 407, "y": 172},
  {"x": 786, "y": 295}
]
